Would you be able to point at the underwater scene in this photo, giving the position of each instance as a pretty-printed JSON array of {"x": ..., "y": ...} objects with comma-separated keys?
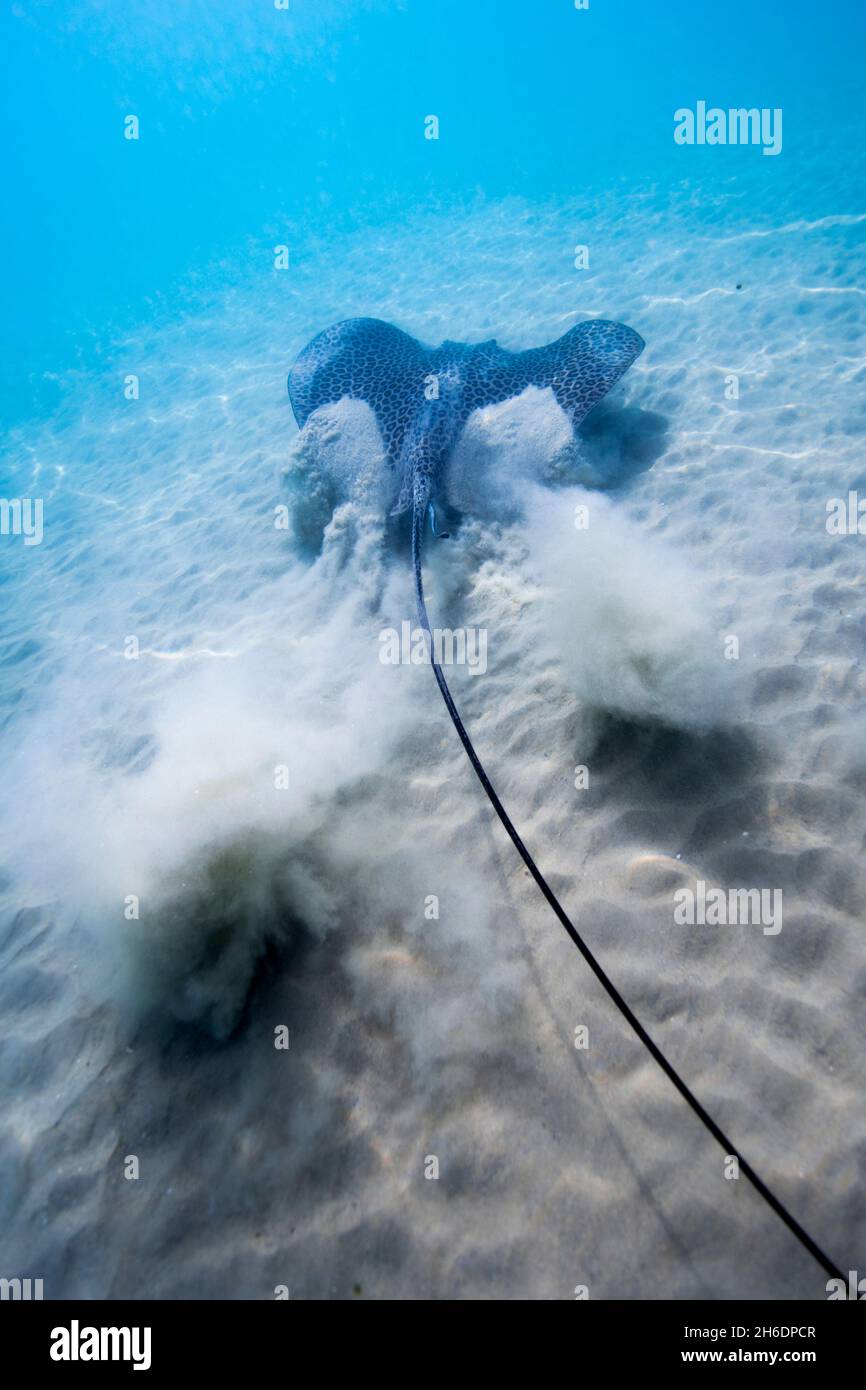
[{"x": 432, "y": 683}]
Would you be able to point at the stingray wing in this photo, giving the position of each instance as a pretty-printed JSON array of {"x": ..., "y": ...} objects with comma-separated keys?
[
  {"x": 583, "y": 365},
  {"x": 368, "y": 360},
  {"x": 580, "y": 367}
]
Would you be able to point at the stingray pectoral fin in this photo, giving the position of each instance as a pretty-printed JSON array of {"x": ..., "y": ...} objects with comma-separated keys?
[
  {"x": 583, "y": 365},
  {"x": 368, "y": 360}
]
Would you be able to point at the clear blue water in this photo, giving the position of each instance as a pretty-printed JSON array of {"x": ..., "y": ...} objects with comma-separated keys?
[{"x": 259, "y": 125}]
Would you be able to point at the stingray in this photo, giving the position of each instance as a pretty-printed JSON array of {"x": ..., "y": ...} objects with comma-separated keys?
[{"x": 422, "y": 398}]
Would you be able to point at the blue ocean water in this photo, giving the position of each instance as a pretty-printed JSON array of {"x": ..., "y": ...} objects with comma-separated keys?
[
  {"x": 165, "y": 647},
  {"x": 261, "y": 124}
]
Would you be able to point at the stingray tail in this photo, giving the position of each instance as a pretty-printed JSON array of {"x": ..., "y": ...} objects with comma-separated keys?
[{"x": 419, "y": 512}]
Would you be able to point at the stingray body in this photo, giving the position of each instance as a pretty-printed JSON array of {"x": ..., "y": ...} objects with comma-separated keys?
[{"x": 422, "y": 397}]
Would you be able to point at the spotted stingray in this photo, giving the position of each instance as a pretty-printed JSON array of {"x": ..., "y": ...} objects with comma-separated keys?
[{"x": 422, "y": 397}]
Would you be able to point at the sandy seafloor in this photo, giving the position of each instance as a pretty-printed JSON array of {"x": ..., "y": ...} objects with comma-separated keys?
[{"x": 305, "y": 907}]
